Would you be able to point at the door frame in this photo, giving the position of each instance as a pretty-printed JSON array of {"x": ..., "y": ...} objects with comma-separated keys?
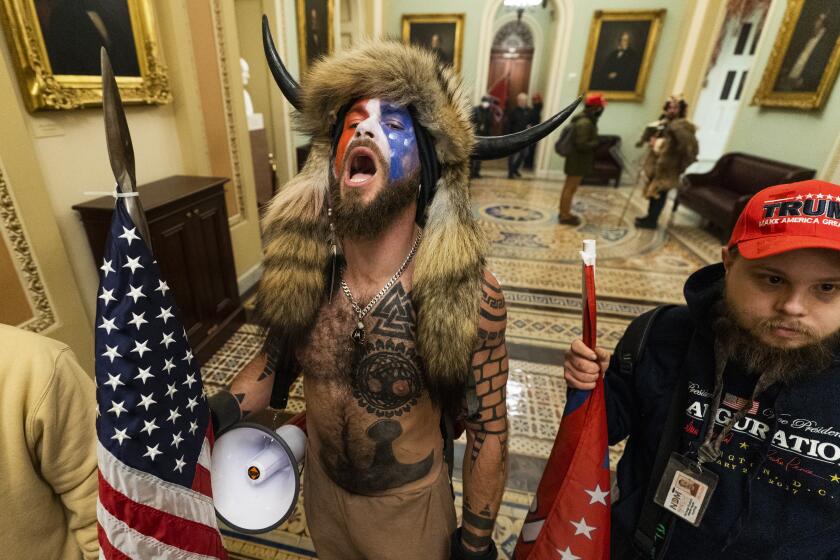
[{"x": 557, "y": 69}]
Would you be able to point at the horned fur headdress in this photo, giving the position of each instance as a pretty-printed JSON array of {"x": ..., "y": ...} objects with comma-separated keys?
[{"x": 450, "y": 259}]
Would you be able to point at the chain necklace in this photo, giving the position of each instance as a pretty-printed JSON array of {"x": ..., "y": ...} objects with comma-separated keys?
[{"x": 358, "y": 335}]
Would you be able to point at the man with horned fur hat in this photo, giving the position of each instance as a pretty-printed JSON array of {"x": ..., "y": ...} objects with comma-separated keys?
[{"x": 375, "y": 287}]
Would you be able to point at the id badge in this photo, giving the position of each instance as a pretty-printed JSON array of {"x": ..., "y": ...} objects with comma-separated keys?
[{"x": 686, "y": 488}]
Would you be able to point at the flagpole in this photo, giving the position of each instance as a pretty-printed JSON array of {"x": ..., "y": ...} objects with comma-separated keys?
[
  {"x": 588, "y": 256},
  {"x": 120, "y": 149}
]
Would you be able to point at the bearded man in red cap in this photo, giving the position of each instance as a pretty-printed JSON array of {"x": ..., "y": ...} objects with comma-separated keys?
[
  {"x": 579, "y": 162},
  {"x": 730, "y": 402}
]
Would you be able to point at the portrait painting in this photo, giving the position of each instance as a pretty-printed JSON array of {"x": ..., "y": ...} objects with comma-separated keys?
[
  {"x": 57, "y": 45},
  {"x": 619, "y": 53},
  {"x": 441, "y": 34},
  {"x": 314, "y": 24},
  {"x": 75, "y": 30},
  {"x": 802, "y": 67}
]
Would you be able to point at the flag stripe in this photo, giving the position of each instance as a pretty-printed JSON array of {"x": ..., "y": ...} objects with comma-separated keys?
[
  {"x": 106, "y": 549},
  {"x": 201, "y": 482},
  {"x": 162, "y": 527},
  {"x": 137, "y": 545},
  {"x": 204, "y": 454},
  {"x": 144, "y": 488}
]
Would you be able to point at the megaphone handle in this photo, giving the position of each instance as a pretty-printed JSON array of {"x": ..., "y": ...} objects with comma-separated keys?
[{"x": 299, "y": 420}]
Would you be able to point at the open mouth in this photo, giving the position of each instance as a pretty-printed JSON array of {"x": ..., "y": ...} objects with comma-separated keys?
[{"x": 360, "y": 168}]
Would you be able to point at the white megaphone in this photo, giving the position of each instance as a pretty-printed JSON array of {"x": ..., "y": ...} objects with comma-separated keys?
[{"x": 255, "y": 475}]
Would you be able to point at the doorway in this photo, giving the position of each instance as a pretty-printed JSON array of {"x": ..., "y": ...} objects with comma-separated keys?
[
  {"x": 720, "y": 98},
  {"x": 511, "y": 57}
]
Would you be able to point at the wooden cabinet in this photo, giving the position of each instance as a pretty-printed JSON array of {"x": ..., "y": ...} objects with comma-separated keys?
[{"x": 188, "y": 225}]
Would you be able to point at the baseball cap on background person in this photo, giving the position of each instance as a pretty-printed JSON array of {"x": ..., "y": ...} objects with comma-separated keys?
[
  {"x": 803, "y": 215},
  {"x": 595, "y": 100}
]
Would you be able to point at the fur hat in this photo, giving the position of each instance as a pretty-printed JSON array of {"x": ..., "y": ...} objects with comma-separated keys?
[{"x": 450, "y": 260}]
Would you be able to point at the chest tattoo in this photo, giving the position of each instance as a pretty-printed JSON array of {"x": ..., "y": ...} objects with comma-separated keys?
[
  {"x": 384, "y": 472},
  {"x": 387, "y": 380}
]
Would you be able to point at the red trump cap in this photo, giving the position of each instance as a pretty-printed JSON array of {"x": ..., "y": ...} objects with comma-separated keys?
[{"x": 804, "y": 215}]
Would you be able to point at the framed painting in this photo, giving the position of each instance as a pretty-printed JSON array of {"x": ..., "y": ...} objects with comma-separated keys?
[
  {"x": 315, "y": 30},
  {"x": 443, "y": 34},
  {"x": 803, "y": 65},
  {"x": 620, "y": 52},
  {"x": 55, "y": 48}
]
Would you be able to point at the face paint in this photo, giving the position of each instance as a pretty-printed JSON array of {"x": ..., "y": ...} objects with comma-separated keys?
[{"x": 389, "y": 127}]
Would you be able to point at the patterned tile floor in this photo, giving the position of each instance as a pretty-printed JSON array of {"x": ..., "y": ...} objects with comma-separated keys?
[{"x": 537, "y": 262}]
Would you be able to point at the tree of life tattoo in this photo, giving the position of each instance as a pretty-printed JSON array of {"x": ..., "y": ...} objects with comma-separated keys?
[{"x": 387, "y": 379}]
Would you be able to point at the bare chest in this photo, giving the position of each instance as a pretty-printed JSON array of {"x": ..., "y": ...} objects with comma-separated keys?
[{"x": 368, "y": 407}]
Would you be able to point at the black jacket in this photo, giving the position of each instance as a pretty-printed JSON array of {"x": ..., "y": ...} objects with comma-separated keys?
[
  {"x": 517, "y": 119},
  {"x": 778, "y": 496}
]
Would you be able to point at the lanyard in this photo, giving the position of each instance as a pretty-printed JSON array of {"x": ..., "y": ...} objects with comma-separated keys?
[{"x": 709, "y": 450}]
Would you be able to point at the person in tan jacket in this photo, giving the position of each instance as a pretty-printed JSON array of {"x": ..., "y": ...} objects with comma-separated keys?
[{"x": 48, "y": 475}]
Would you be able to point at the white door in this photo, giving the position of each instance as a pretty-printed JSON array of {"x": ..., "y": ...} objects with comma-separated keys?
[{"x": 719, "y": 99}]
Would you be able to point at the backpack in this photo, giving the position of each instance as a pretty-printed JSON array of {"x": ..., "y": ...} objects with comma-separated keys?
[
  {"x": 565, "y": 145},
  {"x": 654, "y": 523}
]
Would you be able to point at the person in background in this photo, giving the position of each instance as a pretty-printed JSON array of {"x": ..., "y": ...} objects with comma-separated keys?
[
  {"x": 517, "y": 120},
  {"x": 672, "y": 148},
  {"x": 536, "y": 118},
  {"x": 482, "y": 120},
  {"x": 48, "y": 474},
  {"x": 579, "y": 162}
]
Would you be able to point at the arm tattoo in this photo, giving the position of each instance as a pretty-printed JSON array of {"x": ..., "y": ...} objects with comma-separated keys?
[
  {"x": 490, "y": 368},
  {"x": 473, "y": 524}
]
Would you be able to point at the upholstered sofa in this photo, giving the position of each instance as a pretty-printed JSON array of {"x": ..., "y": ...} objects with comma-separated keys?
[
  {"x": 608, "y": 163},
  {"x": 721, "y": 194}
]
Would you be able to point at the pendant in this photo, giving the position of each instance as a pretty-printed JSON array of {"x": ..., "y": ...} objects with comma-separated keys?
[{"x": 358, "y": 335}]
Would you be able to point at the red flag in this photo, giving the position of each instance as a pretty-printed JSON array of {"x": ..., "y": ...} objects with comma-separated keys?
[
  {"x": 570, "y": 515},
  {"x": 498, "y": 92}
]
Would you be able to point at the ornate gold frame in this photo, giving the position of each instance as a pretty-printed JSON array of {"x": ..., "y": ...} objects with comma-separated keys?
[
  {"x": 655, "y": 17},
  {"x": 765, "y": 95},
  {"x": 300, "y": 9},
  {"x": 457, "y": 19},
  {"x": 44, "y": 90}
]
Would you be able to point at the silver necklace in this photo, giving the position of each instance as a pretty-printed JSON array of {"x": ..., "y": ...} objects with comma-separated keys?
[{"x": 358, "y": 335}]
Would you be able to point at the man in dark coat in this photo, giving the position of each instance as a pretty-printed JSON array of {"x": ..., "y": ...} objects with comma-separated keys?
[
  {"x": 748, "y": 376},
  {"x": 580, "y": 161},
  {"x": 482, "y": 120},
  {"x": 536, "y": 118},
  {"x": 621, "y": 68},
  {"x": 517, "y": 120}
]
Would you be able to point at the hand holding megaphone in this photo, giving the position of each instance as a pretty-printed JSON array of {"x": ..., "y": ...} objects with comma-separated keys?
[{"x": 256, "y": 474}]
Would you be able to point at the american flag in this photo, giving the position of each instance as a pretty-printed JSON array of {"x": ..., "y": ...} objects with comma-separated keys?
[
  {"x": 153, "y": 422},
  {"x": 737, "y": 403},
  {"x": 569, "y": 518}
]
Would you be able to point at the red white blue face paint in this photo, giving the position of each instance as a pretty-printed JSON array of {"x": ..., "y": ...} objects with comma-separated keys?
[{"x": 384, "y": 127}]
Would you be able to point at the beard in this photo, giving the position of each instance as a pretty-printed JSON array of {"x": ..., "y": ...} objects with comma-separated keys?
[
  {"x": 352, "y": 216},
  {"x": 780, "y": 365}
]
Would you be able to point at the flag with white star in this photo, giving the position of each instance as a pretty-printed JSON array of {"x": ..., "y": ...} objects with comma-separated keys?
[
  {"x": 570, "y": 516},
  {"x": 153, "y": 421}
]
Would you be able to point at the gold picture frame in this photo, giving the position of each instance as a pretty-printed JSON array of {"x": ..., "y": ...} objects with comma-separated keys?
[
  {"x": 421, "y": 29},
  {"x": 40, "y": 78},
  {"x": 790, "y": 82},
  {"x": 315, "y": 40},
  {"x": 612, "y": 65}
]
